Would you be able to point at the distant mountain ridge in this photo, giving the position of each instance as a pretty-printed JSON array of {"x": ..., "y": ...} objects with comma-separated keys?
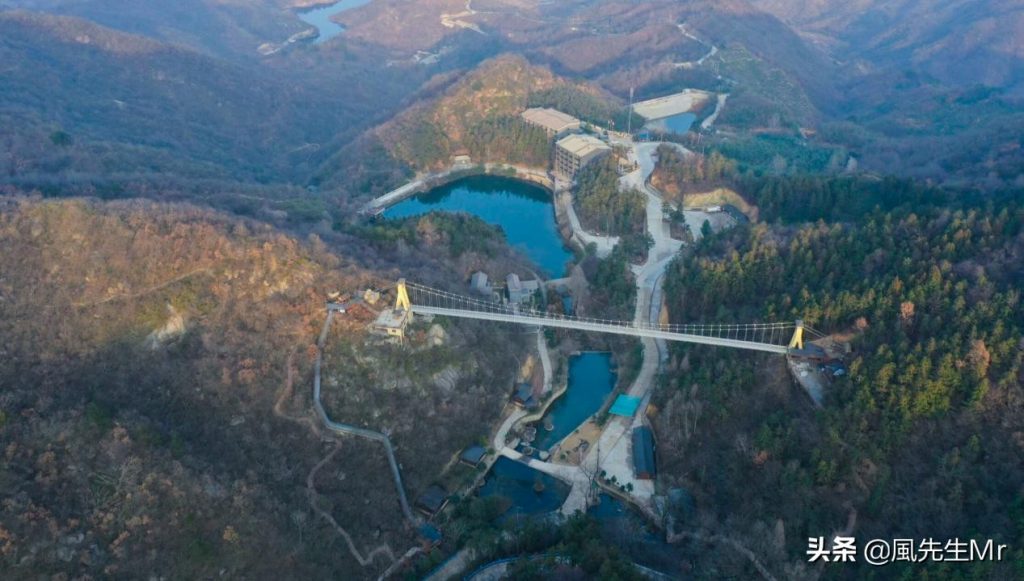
[
  {"x": 225, "y": 29},
  {"x": 124, "y": 103},
  {"x": 958, "y": 42}
]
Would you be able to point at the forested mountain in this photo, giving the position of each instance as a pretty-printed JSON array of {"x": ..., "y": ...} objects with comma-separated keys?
[
  {"x": 155, "y": 407},
  {"x": 231, "y": 30},
  {"x": 81, "y": 102},
  {"x": 134, "y": 337},
  {"x": 924, "y": 437},
  {"x": 961, "y": 43},
  {"x": 157, "y": 355},
  {"x": 477, "y": 115},
  {"x": 902, "y": 105}
]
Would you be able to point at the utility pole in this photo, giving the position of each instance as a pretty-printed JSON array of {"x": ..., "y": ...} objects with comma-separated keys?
[{"x": 629, "y": 116}]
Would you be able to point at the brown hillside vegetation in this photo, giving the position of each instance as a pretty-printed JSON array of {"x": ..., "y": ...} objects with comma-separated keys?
[
  {"x": 478, "y": 114},
  {"x": 155, "y": 416},
  {"x": 402, "y": 25},
  {"x": 698, "y": 181},
  {"x": 959, "y": 42},
  {"x": 79, "y": 101},
  {"x": 496, "y": 88},
  {"x": 225, "y": 29}
]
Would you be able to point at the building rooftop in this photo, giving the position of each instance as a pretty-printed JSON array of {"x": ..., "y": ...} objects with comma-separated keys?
[
  {"x": 513, "y": 282},
  {"x": 643, "y": 452},
  {"x": 625, "y": 405},
  {"x": 433, "y": 499},
  {"x": 430, "y": 533},
  {"x": 524, "y": 395},
  {"x": 473, "y": 455},
  {"x": 582, "y": 145},
  {"x": 550, "y": 119},
  {"x": 392, "y": 319},
  {"x": 524, "y": 391}
]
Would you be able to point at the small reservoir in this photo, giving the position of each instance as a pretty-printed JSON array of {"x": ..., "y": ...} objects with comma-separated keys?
[
  {"x": 321, "y": 18},
  {"x": 678, "y": 124},
  {"x": 525, "y": 213}
]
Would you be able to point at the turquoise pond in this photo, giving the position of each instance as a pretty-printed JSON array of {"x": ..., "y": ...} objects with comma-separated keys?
[
  {"x": 524, "y": 212},
  {"x": 321, "y": 18},
  {"x": 591, "y": 379}
]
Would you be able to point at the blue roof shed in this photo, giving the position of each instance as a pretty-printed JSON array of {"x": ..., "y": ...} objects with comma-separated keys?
[{"x": 643, "y": 454}]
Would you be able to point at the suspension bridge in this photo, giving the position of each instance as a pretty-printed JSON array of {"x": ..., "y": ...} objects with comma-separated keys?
[{"x": 781, "y": 338}]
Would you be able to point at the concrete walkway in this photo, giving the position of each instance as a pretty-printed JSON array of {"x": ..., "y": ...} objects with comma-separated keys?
[
  {"x": 545, "y": 360},
  {"x": 613, "y": 452},
  {"x": 453, "y": 567},
  {"x": 501, "y": 436},
  {"x": 398, "y": 194},
  {"x": 347, "y": 429},
  {"x": 719, "y": 104},
  {"x": 712, "y": 50}
]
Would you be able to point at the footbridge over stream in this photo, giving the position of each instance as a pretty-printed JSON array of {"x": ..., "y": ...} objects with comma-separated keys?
[{"x": 781, "y": 338}]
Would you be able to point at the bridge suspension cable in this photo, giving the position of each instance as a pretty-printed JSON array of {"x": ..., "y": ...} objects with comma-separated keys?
[{"x": 772, "y": 336}]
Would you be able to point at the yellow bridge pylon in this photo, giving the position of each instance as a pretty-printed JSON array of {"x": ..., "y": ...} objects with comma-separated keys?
[
  {"x": 797, "y": 342},
  {"x": 402, "y": 297}
]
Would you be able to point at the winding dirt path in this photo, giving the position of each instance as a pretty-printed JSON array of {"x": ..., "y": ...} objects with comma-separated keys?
[
  {"x": 313, "y": 497},
  {"x": 287, "y": 391},
  {"x": 145, "y": 291}
]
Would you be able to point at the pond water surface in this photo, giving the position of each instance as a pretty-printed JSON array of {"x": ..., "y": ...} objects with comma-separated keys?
[
  {"x": 679, "y": 124},
  {"x": 524, "y": 212},
  {"x": 519, "y": 483},
  {"x": 591, "y": 379}
]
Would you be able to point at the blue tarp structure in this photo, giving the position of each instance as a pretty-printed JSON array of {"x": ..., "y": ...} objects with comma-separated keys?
[
  {"x": 625, "y": 405},
  {"x": 430, "y": 534}
]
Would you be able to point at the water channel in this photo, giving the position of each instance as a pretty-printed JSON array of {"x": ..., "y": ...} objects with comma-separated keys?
[
  {"x": 320, "y": 17},
  {"x": 524, "y": 212}
]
